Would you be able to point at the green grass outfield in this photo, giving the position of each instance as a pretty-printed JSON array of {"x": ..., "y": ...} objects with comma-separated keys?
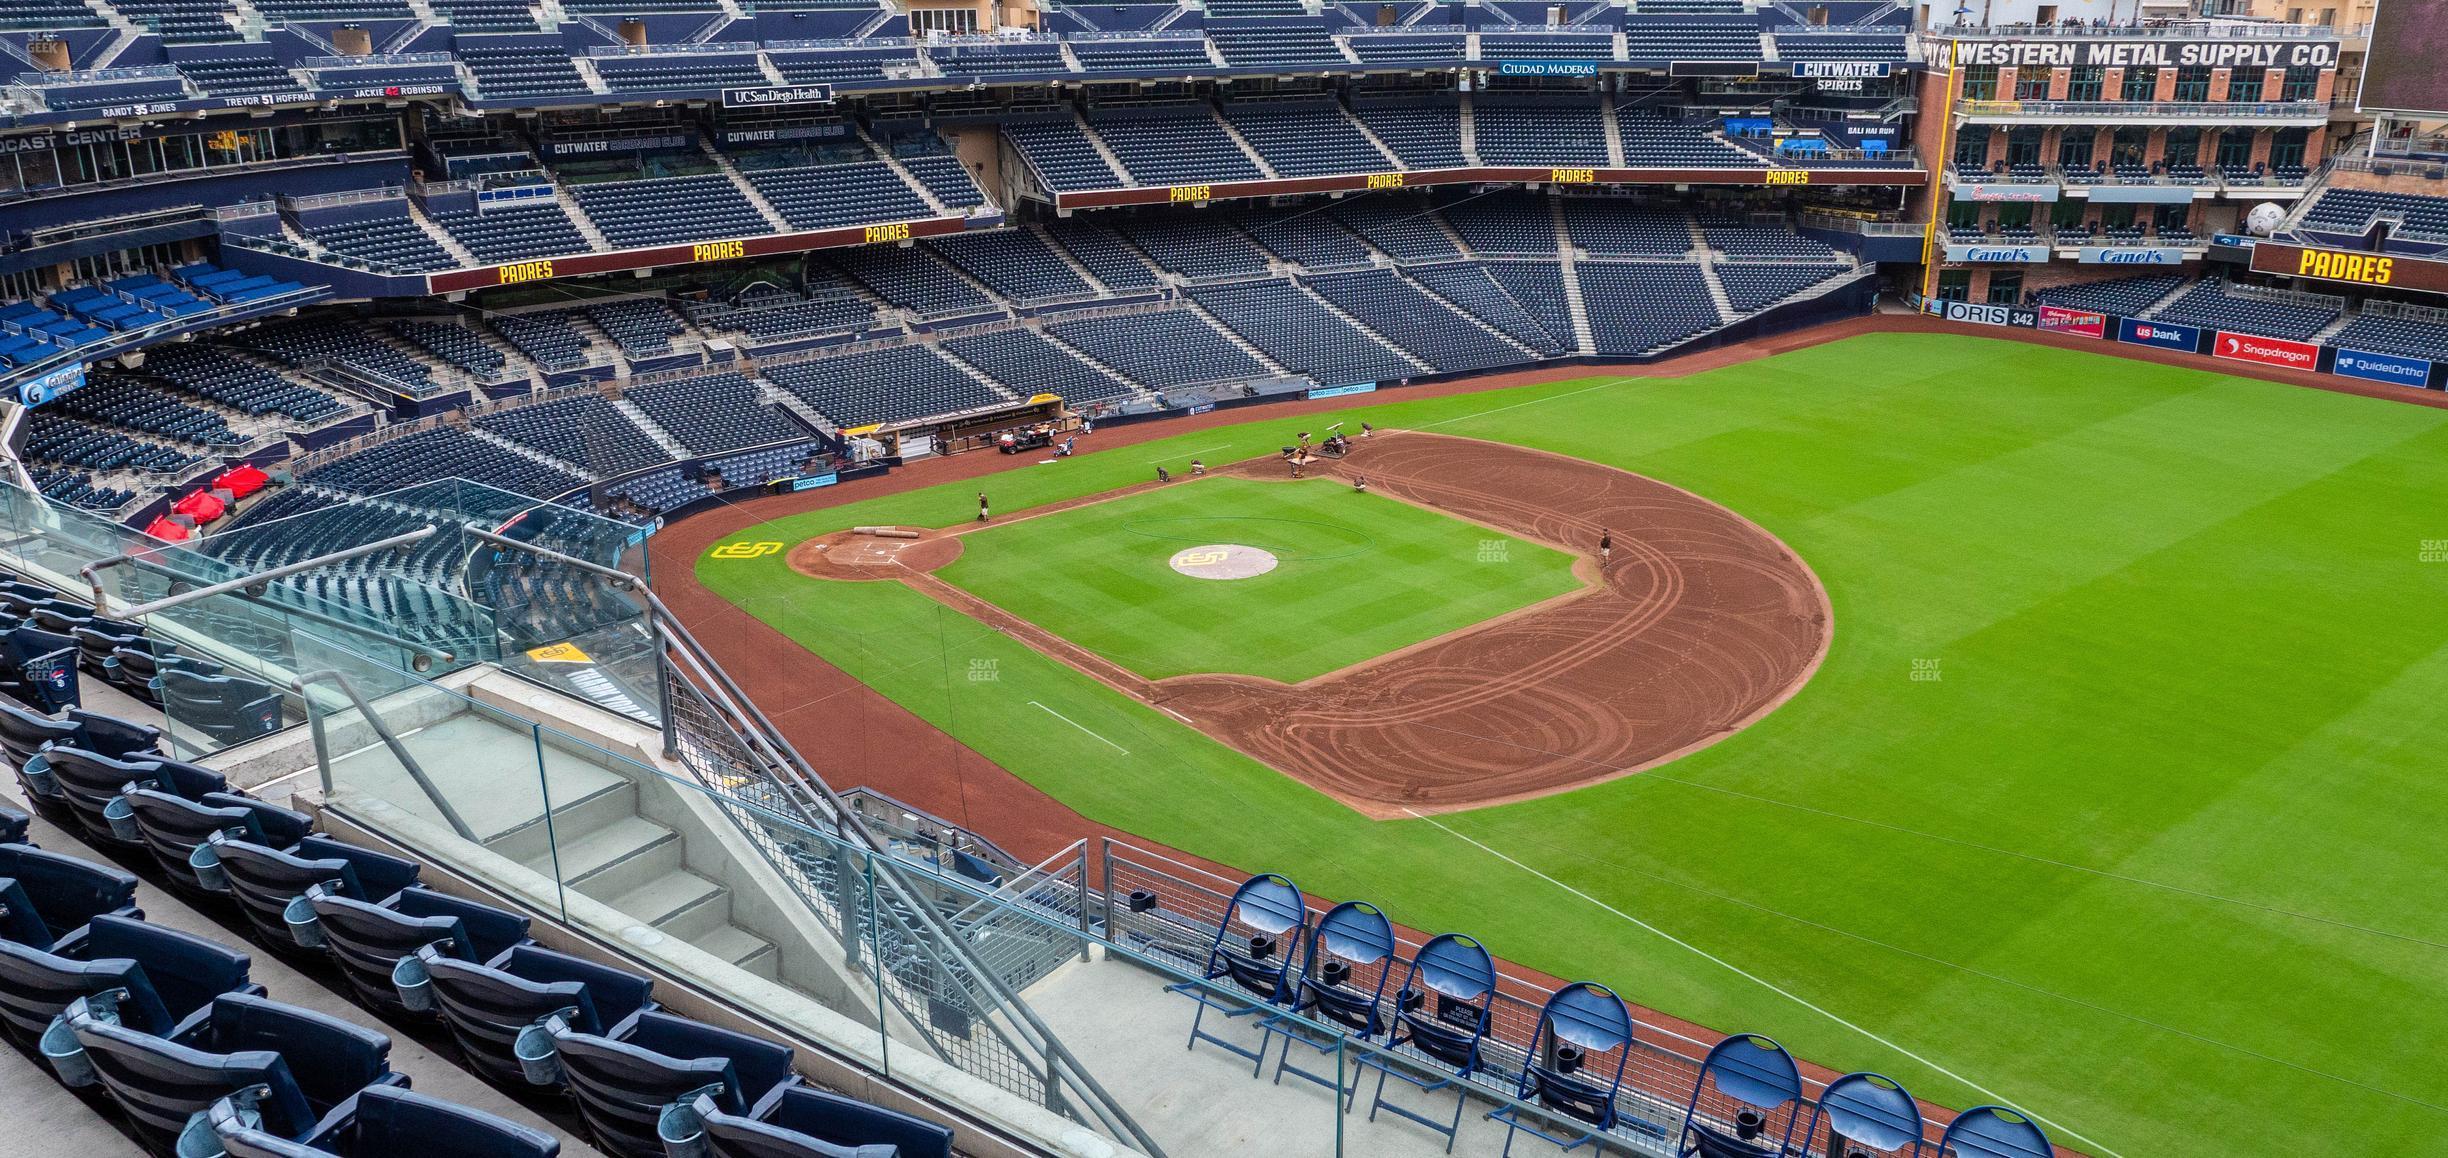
[
  {"x": 1356, "y": 576},
  {"x": 2158, "y": 857}
]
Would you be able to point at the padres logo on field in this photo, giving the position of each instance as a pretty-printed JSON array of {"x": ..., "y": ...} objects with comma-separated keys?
[
  {"x": 746, "y": 550},
  {"x": 1223, "y": 561}
]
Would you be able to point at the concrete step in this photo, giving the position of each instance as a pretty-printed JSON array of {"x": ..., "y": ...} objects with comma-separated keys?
[
  {"x": 607, "y": 804},
  {"x": 706, "y": 915},
  {"x": 591, "y": 861},
  {"x": 742, "y": 948},
  {"x": 664, "y": 899}
]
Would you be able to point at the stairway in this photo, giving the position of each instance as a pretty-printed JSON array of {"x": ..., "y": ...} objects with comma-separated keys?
[
  {"x": 654, "y": 430},
  {"x": 1470, "y": 122},
  {"x": 739, "y": 181},
  {"x": 1120, "y": 171},
  {"x": 1716, "y": 289},
  {"x": 1230, "y": 335},
  {"x": 1614, "y": 133},
  {"x": 1136, "y": 388},
  {"x": 1393, "y": 160},
  {"x": 902, "y": 171},
  {"x": 578, "y": 219},
  {"x": 1417, "y": 364},
  {"x": 1247, "y": 149},
  {"x": 1073, "y": 263},
  {"x": 982, "y": 377},
  {"x": 442, "y": 237},
  {"x": 774, "y": 395},
  {"x": 1569, "y": 265}
]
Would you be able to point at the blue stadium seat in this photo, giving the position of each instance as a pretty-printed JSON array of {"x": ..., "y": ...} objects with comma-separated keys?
[
  {"x": 369, "y": 939},
  {"x": 387, "y": 1122},
  {"x": 621, "y": 1084},
  {"x": 486, "y": 1002},
  {"x": 165, "y": 979}
]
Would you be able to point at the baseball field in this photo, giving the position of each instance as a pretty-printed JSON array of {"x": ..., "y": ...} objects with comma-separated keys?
[{"x": 2117, "y": 795}]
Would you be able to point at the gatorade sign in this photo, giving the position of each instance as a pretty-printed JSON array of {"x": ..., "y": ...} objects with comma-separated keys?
[{"x": 2267, "y": 351}]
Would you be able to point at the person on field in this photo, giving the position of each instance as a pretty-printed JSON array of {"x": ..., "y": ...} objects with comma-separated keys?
[
  {"x": 1606, "y": 545},
  {"x": 1366, "y": 430},
  {"x": 981, "y": 506},
  {"x": 1163, "y": 475},
  {"x": 1197, "y": 468},
  {"x": 1360, "y": 483}
]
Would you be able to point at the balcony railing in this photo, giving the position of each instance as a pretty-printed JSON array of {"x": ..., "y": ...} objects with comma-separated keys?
[
  {"x": 2167, "y": 110},
  {"x": 2162, "y": 30}
]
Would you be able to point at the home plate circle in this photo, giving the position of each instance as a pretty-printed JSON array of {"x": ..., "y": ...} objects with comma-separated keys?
[{"x": 1223, "y": 561}]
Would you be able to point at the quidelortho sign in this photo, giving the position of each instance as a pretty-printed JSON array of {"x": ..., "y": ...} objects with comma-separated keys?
[
  {"x": 2146, "y": 54},
  {"x": 2394, "y": 369}
]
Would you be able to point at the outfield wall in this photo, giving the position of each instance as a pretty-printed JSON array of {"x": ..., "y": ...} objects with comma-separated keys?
[{"x": 2228, "y": 345}]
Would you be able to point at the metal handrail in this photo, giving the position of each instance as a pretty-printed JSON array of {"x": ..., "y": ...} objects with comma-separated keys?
[
  {"x": 91, "y": 573},
  {"x": 399, "y": 751},
  {"x": 772, "y": 744}
]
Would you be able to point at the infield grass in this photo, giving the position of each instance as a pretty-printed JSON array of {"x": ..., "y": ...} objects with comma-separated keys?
[
  {"x": 1357, "y": 575},
  {"x": 2156, "y": 855}
]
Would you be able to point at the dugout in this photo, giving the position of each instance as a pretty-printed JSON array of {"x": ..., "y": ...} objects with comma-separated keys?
[{"x": 966, "y": 430}]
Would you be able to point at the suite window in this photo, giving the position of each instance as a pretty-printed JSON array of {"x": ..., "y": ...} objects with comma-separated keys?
[
  {"x": 2141, "y": 84},
  {"x": 2183, "y": 146},
  {"x": 2032, "y": 84},
  {"x": 1980, "y": 82},
  {"x": 2074, "y": 148},
  {"x": 1954, "y": 285},
  {"x": 2244, "y": 85},
  {"x": 2235, "y": 149},
  {"x": 2086, "y": 83},
  {"x": 2005, "y": 287},
  {"x": 2193, "y": 82},
  {"x": 2302, "y": 83},
  {"x": 2287, "y": 148}
]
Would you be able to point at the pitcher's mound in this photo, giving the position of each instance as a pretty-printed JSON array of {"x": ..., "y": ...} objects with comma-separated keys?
[{"x": 850, "y": 555}]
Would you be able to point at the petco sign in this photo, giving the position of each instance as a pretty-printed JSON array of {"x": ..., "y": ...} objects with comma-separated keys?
[
  {"x": 2060, "y": 320},
  {"x": 2267, "y": 351},
  {"x": 2161, "y": 335}
]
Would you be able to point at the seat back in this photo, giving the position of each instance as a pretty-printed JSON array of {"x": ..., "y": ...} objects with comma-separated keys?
[
  {"x": 24, "y": 731},
  {"x": 622, "y": 1086},
  {"x": 265, "y": 880},
  {"x": 846, "y": 1124},
  {"x": 64, "y": 891},
  {"x": 111, "y": 736},
  {"x": 487, "y": 1007},
  {"x": 329, "y": 1059},
  {"x": 389, "y": 1122},
  {"x": 36, "y": 986},
  {"x": 369, "y": 940},
  {"x": 90, "y": 781},
  {"x": 159, "y": 1084},
  {"x": 172, "y": 826}
]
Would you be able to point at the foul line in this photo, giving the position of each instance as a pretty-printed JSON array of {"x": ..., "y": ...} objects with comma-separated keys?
[
  {"x": 1076, "y": 724},
  {"x": 1764, "y": 983},
  {"x": 1519, "y": 405}
]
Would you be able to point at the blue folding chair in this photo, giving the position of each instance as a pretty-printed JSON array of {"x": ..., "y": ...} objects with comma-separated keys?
[
  {"x": 1865, "y": 1115},
  {"x": 1749, "y": 1084},
  {"x": 1993, "y": 1132},
  {"x": 1458, "y": 973},
  {"x": 1352, "y": 942},
  {"x": 1580, "y": 1027},
  {"x": 1270, "y": 916}
]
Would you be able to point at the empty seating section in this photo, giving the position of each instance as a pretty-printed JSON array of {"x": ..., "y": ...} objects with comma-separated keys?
[
  {"x": 1311, "y": 239},
  {"x": 393, "y": 242},
  {"x": 1609, "y": 225},
  {"x": 2405, "y": 337},
  {"x": 641, "y": 327},
  {"x": 545, "y": 336},
  {"x": 2210, "y": 306},
  {"x": 253, "y": 72},
  {"x": 1273, "y": 42},
  {"x": 129, "y": 303},
  {"x": 713, "y": 413},
  {"x": 1473, "y": 289},
  {"x": 825, "y": 196},
  {"x": 1652, "y": 139},
  {"x": 2351, "y": 211},
  {"x": 1375, "y": 47},
  {"x": 514, "y": 232},
  {"x": 1854, "y": 46},
  {"x": 119, "y": 402},
  {"x": 2124, "y": 296},
  {"x": 1110, "y": 258},
  {"x": 1763, "y": 241},
  {"x": 679, "y": 70},
  {"x": 521, "y": 71},
  {"x": 669, "y": 210},
  {"x": 1665, "y": 39},
  {"x": 1015, "y": 263},
  {"x": 1758, "y": 285},
  {"x": 1504, "y": 223},
  {"x": 1405, "y": 227},
  {"x": 1172, "y": 348},
  {"x": 1636, "y": 307},
  {"x": 1306, "y": 140},
  {"x": 1277, "y": 317},
  {"x": 998, "y": 58},
  {"x": 312, "y": 341},
  {"x": 240, "y": 385},
  {"x": 178, "y": 21},
  {"x": 1026, "y": 363},
  {"x": 228, "y": 286},
  {"x": 337, "y": 9},
  {"x": 30, "y": 334},
  {"x": 913, "y": 279},
  {"x": 68, "y": 95},
  {"x": 1062, "y": 156},
  {"x": 454, "y": 344},
  {"x": 770, "y": 313},
  {"x": 1540, "y": 134},
  {"x": 585, "y": 429},
  {"x": 1177, "y": 146},
  {"x": 906, "y": 381},
  {"x": 78, "y": 490},
  {"x": 1187, "y": 55},
  {"x": 441, "y": 453},
  {"x": 1539, "y": 287},
  {"x": 58, "y": 439},
  {"x": 943, "y": 175},
  {"x": 1550, "y": 44},
  {"x": 1195, "y": 249},
  {"x": 488, "y": 15},
  {"x": 1399, "y": 310},
  {"x": 1424, "y": 136},
  {"x": 841, "y": 65}
]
